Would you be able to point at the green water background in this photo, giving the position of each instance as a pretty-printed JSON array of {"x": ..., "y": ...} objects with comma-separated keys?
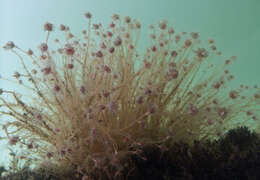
[{"x": 234, "y": 24}]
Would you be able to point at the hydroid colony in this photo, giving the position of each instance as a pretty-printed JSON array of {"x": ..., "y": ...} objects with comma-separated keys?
[{"x": 96, "y": 97}]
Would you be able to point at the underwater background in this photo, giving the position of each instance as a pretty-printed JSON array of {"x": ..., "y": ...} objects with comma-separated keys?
[{"x": 233, "y": 24}]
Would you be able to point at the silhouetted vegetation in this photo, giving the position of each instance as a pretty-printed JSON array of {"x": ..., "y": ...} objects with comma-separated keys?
[{"x": 234, "y": 156}]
